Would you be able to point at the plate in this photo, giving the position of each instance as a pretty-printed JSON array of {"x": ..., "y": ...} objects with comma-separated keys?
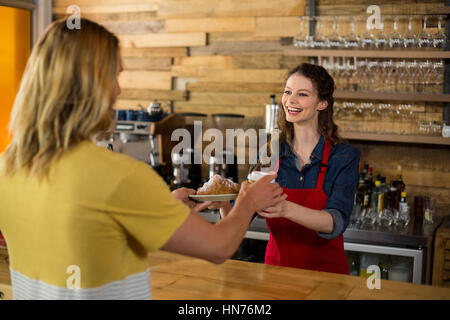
[{"x": 214, "y": 197}]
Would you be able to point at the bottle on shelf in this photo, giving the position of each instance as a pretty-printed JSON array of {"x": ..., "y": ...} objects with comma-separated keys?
[
  {"x": 369, "y": 179},
  {"x": 378, "y": 197},
  {"x": 385, "y": 190},
  {"x": 360, "y": 191},
  {"x": 391, "y": 197},
  {"x": 403, "y": 212},
  {"x": 365, "y": 170},
  {"x": 400, "y": 184}
]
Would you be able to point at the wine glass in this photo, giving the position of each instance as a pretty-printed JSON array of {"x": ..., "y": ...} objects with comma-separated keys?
[
  {"x": 410, "y": 39},
  {"x": 302, "y": 40},
  {"x": 351, "y": 40},
  {"x": 354, "y": 76},
  {"x": 367, "y": 40},
  {"x": 395, "y": 40},
  {"x": 425, "y": 40},
  {"x": 439, "y": 38},
  {"x": 381, "y": 40},
  {"x": 319, "y": 40},
  {"x": 401, "y": 76},
  {"x": 334, "y": 41},
  {"x": 437, "y": 77}
]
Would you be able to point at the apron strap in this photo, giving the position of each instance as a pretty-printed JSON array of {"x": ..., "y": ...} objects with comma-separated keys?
[{"x": 324, "y": 164}]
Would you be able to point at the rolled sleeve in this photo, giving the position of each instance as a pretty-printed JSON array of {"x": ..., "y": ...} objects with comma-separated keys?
[
  {"x": 338, "y": 225},
  {"x": 341, "y": 198}
]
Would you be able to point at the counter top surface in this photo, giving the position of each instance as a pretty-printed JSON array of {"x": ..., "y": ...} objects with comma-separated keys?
[{"x": 177, "y": 277}]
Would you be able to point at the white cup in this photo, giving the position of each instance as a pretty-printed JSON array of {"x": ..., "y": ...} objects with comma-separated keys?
[{"x": 256, "y": 175}]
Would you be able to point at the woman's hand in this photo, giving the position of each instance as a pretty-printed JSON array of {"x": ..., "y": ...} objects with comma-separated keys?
[
  {"x": 183, "y": 194},
  {"x": 277, "y": 211},
  {"x": 261, "y": 194}
]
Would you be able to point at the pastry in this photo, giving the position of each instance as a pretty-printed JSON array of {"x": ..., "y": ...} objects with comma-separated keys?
[{"x": 219, "y": 185}]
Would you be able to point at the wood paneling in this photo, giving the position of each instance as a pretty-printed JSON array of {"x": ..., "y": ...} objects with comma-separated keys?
[
  {"x": 117, "y": 16},
  {"x": 237, "y": 24},
  {"x": 249, "y": 111},
  {"x": 277, "y": 26},
  {"x": 215, "y": 37},
  {"x": 231, "y": 87},
  {"x": 238, "y": 47},
  {"x": 147, "y": 63},
  {"x": 153, "y": 52},
  {"x": 89, "y": 9},
  {"x": 216, "y": 62},
  {"x": 174, "y": 95},
  {"x": 134, "y": 27},
  {"x": 193, "y": 39},
  {"x": 231, "y": 99},
  {"x": 266, "y": 61},
  {"x": 229, "y": 8},
  {"x": 145, "y": 80},
  {"x": 230, "y": 75}
]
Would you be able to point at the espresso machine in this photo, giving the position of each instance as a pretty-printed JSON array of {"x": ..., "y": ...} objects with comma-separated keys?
[
  {"x": 218, "y": 163},
  {"x": 186, "y": 172},
  {"x": 145, "y": 135}
]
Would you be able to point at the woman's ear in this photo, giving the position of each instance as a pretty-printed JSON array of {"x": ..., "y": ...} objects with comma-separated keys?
[{"x": 322, "y": 105}]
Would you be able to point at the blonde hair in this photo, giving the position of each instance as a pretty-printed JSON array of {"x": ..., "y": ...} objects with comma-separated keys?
[{"x": 65, "y": 95}]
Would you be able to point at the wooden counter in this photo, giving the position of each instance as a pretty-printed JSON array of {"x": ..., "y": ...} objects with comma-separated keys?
[{"x": 175, "y": 277}]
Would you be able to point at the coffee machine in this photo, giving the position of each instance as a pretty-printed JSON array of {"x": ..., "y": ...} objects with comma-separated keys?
[
  {"x": 218, "y": 163},
  {"x": 186, "y": 172},
  {"x": 145, "y": 135}
]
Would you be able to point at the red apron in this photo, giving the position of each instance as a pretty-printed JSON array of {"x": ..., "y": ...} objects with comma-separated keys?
[{"x": 293, "y": 245}]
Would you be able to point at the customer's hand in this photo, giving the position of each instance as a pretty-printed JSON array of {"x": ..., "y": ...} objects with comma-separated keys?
[
  {"x": 183, "y": 194},
  {"x": 261, "y": 194},
  {"x": 224, "y": 206}
]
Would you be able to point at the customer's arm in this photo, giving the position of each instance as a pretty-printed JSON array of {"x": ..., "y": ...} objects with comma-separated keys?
[{"x": 217, "y": 242}]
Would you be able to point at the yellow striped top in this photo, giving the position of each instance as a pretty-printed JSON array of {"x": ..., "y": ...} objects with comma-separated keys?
[{"x": 86, "y": 230}]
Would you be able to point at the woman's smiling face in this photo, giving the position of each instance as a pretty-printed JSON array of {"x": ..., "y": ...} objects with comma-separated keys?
[{"x": 300, "y": 100}]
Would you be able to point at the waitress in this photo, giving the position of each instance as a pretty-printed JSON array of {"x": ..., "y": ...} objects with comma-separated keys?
[{"x": 319, "y": 174}]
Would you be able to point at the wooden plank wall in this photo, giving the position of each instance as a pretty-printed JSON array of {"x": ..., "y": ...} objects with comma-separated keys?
[{"x": 214, "y": 56}]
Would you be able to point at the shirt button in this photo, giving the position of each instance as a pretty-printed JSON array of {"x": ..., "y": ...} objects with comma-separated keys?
[{"x": 301, "y": 178}]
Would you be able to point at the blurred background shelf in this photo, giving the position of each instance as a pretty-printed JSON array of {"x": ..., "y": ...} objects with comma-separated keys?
[
  {"x": 342, "y": 94},
  {"x": 401, "y": 54},
  {"x": 417, "y": 139}
]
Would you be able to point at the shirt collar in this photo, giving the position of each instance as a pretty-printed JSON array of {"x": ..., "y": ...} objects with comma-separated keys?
[{"x": 286, "y": 149}]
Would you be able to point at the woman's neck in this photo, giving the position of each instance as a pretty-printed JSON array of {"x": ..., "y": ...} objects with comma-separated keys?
[{"x": 306, "y": 137}]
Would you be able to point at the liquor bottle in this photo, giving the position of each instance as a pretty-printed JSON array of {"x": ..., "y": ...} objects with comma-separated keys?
[
  {"x": 360, "y": 191},
  {"x": 400, "y": 184},
  {"x": 365, "y": 170},
  {"x": 378, "y": 197},
  {"x": 385, "y": 190},
  {"x": 370, "y": 178},
  {"x": 403, "y": 213},
  {"x": 391, "y": 197}
]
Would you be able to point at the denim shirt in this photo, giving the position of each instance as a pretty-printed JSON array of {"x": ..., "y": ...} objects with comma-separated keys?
[{"x": 340, "y": 183}]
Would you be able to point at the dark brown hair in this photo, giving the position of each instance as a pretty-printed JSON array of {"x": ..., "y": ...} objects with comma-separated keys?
[{"x": 324, "y": 85}]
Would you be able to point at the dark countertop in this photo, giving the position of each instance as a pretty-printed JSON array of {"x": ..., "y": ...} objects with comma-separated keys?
[{"x": 409, "y": 238}]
